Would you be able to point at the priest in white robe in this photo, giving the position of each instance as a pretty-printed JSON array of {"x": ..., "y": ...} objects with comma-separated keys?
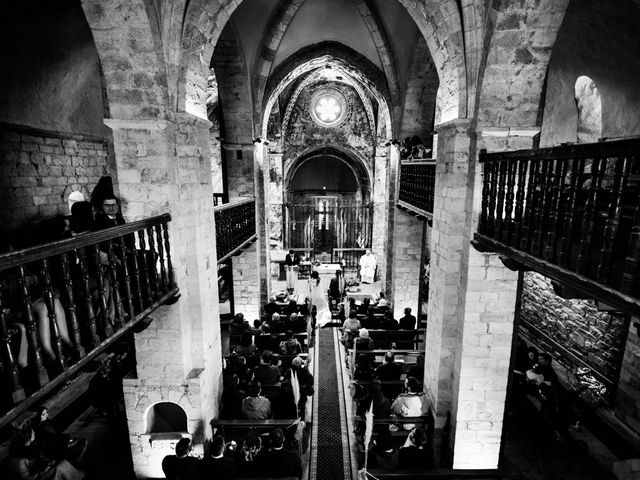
[{"x": 367, "y": 267}]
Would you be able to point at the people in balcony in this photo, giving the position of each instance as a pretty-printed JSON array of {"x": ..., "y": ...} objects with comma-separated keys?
[{"x": 109, "y": 214}]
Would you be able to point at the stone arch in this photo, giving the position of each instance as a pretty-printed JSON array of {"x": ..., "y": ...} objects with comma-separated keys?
[
  {"x": 438, "y": 20},
  {"x": 589, "y": 105},
  {"x": 301, "y": 64},
  {"x": 128, "y": 40},
  {"x": 418, "y": 113},
  {"x": 165, "y": 417},
  {"x": 362, "y": 171},
  {"x": 511, "y": 82},
  {"x": 234, "y": 91}
]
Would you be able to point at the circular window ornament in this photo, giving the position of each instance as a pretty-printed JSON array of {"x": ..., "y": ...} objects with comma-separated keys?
[{"x": 328, "y": 107}]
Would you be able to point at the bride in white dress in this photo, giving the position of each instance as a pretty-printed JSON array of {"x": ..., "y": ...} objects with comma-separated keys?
[{"x": 317, "y": 295}]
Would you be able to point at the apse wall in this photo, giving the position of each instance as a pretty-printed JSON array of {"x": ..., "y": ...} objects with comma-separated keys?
[{"x": 587, "y": 45}]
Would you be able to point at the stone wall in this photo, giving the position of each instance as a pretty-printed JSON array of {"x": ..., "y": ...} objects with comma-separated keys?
[
  {"x": 598, "y": 338},
  {"x": 246, "y": 283},
  {"x": 627, "y": 406},
  {"x": 39, "y": 169}
]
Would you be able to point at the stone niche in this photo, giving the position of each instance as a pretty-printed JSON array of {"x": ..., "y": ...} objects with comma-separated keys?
[{"x": 159, "y": 415}]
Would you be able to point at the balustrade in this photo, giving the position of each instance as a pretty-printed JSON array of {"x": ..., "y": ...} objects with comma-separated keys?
[
  {"x": 417, "y": 181},
  {"x": 72, "y": 299},
  {"x": 575, "y": 207},
  {"x": 235, "y": 227}
]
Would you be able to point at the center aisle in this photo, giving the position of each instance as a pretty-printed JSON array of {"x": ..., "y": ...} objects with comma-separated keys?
[{"x": 331, "y": 457}]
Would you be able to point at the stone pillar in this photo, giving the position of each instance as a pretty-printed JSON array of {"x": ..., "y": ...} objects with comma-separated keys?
[
  {"x": 409, "y": 234},
  {"x": 261, "y": 179},
  {"x": 276, "y": 199},
  {"x": 627, "y": 407},
  {"x": 471, "y": 303},
  {"x": 246, "y": 283},
  {"x": 164, "y": 166},
  {"x": 383, "y": 198}
]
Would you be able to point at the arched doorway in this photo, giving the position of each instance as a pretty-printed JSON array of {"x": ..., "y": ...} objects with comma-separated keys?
[{"x": 327, "y": 202}]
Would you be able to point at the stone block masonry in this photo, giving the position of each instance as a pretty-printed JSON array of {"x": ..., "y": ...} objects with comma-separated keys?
[
  {"x": 39, "y": 169},
  {"x": 246, "y": 283}
]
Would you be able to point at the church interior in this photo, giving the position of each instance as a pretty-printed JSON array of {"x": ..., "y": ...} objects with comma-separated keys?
[{"x": 320, "y": 239}]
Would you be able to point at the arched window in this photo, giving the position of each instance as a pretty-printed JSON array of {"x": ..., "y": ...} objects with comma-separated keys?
[
  {"x": 589, "y": 110},
  {"x": 165, "y": 417}
]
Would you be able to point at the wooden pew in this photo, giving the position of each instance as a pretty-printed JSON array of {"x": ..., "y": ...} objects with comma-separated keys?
[{"x": 385, "y": 338}]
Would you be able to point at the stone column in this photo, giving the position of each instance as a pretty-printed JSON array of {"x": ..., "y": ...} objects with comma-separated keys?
[
  {"x": 409, "y": 234},
  {"x": 261, "y": 179},
  {"x": 164, "y": 166},
  {"x": 276, "y": 198}
]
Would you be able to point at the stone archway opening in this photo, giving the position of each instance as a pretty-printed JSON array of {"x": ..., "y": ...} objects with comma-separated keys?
[
  {"x": 165, "y": 417},
  {"x": 589, "y": 107}
]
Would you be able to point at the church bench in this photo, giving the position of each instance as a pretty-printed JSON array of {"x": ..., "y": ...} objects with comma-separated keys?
[
  {"x": 385, "y": 338},
  {"x": 271, "y": 341}
]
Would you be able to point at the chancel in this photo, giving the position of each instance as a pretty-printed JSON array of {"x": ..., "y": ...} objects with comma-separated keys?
[{"x": 319, "y": 239}]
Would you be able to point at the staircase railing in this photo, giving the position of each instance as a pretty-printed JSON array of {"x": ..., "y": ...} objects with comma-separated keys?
[
  {"x": 63, "y": 303},
  {"x": 572, "y": 212},
  {"x": 235, "y": 227},
  {"x": 417, "y": 182}
]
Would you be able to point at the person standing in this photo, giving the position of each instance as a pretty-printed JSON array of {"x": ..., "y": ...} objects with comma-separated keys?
[
  {"x": 367, "y": 267},
  {"x": 292, "y": 262},
  {"x": 336, "y": 287}
]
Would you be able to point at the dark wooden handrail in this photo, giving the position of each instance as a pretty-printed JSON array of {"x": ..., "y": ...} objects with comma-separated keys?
[
  {"x": 235, "y": 227},
  {"x": 89, "y": 291},
  {"x": 28, "y": 255}
]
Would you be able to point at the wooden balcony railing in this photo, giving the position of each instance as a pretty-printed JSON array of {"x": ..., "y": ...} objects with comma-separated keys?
[
  {"x": 571, "y": 212},
  {"x": 235, "y": 227},
  {"x": 417, "y": 181},
  {"x": 63, "y": 303}
]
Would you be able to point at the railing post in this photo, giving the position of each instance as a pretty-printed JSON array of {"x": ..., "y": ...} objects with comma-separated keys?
[
  {"x": 507, "y": 222},
  {"x": 554, "y": 211},
  {"x": 49, "y": 300},
  {"x": 86, "y": 294},
  {"x": 152, "y": 261},
  {"x": 589, "y": 219},
  {"x": 73, "y": 311},
  {"x": 105, "y": 308},
  {"x": 32, "y": 331},
  {"x": 167, "y": 248},
  {"x": 137, "y": 286},
  {"x": 126, "y": 278},
  {"x": 10, "y": 367},
  {"x": 115, "y": 285},
  {"x": 520, "y": 196},
  {"x": 163, "y": 271},
  {"x": 144, "y": 271},
  {"x": 569, "y": 224}
]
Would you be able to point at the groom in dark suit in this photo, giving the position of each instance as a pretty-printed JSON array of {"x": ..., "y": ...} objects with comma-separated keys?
[
  {"x": 291, "y": 262},
  {"x": 336, "y": 287}
]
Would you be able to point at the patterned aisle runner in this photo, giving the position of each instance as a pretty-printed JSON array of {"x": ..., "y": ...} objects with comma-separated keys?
[{"x": 330, "y": 459}]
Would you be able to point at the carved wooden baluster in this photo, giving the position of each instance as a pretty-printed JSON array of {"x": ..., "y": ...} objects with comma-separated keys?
[
  {"x": 502, "y": 180},
  {"x": 153, "y": 261},
  {"x": 554, "y": 210},
  {"x": 589, "y": 219},
  {"x": 102, "y": 294},
  {"x": 143, "y": 264},
  {"x": 136, "y": 285},
  {"x": 163, "y": 271},
  {"x": 86, "y": 297},
  {"x": 49, "y": 300},
  {"x": 491, "y": 221},
  {"x": 541, "y": 206},
  {"x": 167, "y": 248},
  {"x": 507, "y": 223},
  {"x": 71, "y": 308},
  {"x": 520, "y": 196},
  {"x": 528, "y": 219},
  {"x": 622, "y": 170},
  {"x": 9, "y": 363},
  {"x": 125, "y": 255},
  {"x": 32, "y": 331},
  {"x": 569, "y": 223},
  {"x": 115, "y": 286}
]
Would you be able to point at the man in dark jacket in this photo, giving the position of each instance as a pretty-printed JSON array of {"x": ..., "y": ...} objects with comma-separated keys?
[
  {"x": 408, "y": 322},
  {"x": 336, "y": 287},
  {"x": 217, "y": 465},
  {"x": 181, "y": 465},
  {"x": 279, "y": 462}
]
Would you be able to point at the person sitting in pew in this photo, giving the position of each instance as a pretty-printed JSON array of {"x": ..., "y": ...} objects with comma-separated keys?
[
  {"x": 217, "y": 465},
  {"x": 283, "y": 405},
  {"x": 255, "y": 406},
  {"x": 232, "y": 396},
  {"x": 271, "y": 307},
  {"x": 408, "y": 322},
  {"x": 235, "y": 365},
  {"x": 247, "y": 349},
  {"x": 180, "y": 466},
  {"x": 417, "y": 370},
  {"x": 363, "y": 371},
  {"x": 383, "y": 453},
  {"x": 363, "y": 342},
  {"x": 276, "y": 324},
  {"x": 291, "y": 308},
  {"x": 390, "y": 369},
  {"x": 412, "y": 403},
  {"x": 247, "y": 456},
  {"x": 350, "y": 329},
  {"x": 266, "y": 373},
  {"x": 291, "y": 345},
  {"x": 389, "y": 323},
  {"x": 415, "y": 453},
  {"x": 278, "y": 462},
  {"x": 297, "y": 323},
  {"x": 382, "y": 301},
  {"x": 363, "y": 309},
  {"x": 370, "y": 322}
]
